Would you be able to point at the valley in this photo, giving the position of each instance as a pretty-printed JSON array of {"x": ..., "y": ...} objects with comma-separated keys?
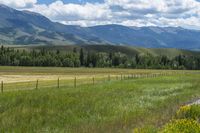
[{"x": 92, "y": 66}]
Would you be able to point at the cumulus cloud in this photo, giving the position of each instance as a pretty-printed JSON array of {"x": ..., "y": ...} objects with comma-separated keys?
[
  {"x": 87, "y": 14},
  {"x": 184, "y": 13},
  {"x": 58, "y": 10},
  {"x": 19, "y": 3}
]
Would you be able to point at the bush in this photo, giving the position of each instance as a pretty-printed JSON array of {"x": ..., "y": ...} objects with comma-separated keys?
[
  {"x": 182, "y": 126},
  {"x": 189, "y": 112}
]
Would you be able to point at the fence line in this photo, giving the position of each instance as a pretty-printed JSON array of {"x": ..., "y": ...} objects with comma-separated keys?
[{"x": 94, "y": 80}]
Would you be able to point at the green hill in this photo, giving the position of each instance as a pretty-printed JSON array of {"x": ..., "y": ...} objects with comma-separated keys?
[{"x": 128, "y": 50}]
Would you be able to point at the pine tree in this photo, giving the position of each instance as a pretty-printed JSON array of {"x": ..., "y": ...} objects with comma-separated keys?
[{"x": 82, "y": 57}]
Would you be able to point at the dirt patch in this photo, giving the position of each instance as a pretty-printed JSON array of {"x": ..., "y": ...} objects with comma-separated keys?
[{"x": 27, "y": 78}]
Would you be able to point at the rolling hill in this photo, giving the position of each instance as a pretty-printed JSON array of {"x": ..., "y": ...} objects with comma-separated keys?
[
  {"x": 29, "y": 28},
  {"x": 128, "y": 50}
]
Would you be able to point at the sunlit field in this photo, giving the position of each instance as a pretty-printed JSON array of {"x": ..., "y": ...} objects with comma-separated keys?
[
  {"x": 20, "y": 78},
  {"x": 102, "y": 100}
]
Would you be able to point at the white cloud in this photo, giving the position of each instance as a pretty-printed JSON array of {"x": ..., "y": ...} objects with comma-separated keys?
[
  {"x": 58, "y": 11},
  {"x": 184, "y": 13},
  {"x": 19, "y": 3},
  {"x": 79, "y": 12}
]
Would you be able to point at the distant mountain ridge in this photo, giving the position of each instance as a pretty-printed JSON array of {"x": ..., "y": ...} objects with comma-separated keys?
[
  {"x": 28, "y": 28},
  {"x": 24, "y": 27},
  {"x": 154, "y": 37}
]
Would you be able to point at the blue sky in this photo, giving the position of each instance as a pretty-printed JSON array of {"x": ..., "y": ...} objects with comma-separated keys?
[{"x": 184, "y": 13}]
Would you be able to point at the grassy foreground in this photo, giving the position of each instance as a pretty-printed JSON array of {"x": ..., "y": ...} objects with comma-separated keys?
[{"x": 115, "y": 106}]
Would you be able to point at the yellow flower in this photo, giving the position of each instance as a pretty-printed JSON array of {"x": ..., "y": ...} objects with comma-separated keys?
[
  {"x": 183, "y": 110},
  {"x": 182, "y": 126}
]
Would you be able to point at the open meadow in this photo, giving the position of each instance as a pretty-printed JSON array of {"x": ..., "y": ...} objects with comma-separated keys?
[{"x": 84, "y": 100}]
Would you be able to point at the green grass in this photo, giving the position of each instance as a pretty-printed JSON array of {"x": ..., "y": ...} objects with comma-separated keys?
[
  {"x": 9, "y": 70},
  {"x": 116, "y": 106}
]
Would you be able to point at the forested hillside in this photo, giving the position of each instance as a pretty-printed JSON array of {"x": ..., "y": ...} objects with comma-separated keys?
[{"x": 89, "y": 57}]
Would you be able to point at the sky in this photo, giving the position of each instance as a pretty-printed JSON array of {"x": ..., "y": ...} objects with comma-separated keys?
[{"x": 184, "y": 13}]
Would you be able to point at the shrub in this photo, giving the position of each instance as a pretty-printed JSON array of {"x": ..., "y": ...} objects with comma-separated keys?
[
  {"x": 182, "y": 126},
  {"x": 189, "y": 112}
]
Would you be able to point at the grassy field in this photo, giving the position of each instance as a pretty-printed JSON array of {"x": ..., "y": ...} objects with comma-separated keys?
[{"x": 106, "y": 106}]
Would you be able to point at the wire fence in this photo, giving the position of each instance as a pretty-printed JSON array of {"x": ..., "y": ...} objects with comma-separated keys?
[{"x": 75, "y": 81}]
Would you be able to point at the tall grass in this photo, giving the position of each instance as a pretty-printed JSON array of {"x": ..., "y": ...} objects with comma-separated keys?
[{"x": 116, "y": 106}]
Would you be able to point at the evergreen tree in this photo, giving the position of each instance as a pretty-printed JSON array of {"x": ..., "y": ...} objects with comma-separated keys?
[
  {"x": 44, "y": 57},
  {"x": 82, "y": 57}
]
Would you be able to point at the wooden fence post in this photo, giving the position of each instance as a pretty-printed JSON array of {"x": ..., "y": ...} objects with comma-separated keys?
[
  {"x": 121, "y": 77},
  {"x": 108, "y": 77},
  {"x": 36, "y": 87},
  {"x": 93, "y": 80},
  {"x": 58, "y": 83},
  {"x": 1, "y": 86},
  {"x": 75, "y": 82}
]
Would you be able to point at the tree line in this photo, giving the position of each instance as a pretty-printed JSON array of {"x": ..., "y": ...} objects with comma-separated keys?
[{"x": 82, "y": 58}]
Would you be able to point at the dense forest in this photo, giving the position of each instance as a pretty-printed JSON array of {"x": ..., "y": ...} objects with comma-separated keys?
[{"x": 82, "y": 58}]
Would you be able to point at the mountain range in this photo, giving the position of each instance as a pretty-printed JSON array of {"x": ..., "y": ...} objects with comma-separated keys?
[{"x": 29, "y": 28}]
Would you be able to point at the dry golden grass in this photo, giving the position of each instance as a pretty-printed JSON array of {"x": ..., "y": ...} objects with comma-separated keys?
[{"x": 26, "y": 74}]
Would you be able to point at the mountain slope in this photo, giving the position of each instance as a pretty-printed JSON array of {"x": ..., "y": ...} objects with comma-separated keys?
[
  {"x": 24, "y": 27},
  {"x": 28, "y": 28},
  {"x": 156, "y": 37}
]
